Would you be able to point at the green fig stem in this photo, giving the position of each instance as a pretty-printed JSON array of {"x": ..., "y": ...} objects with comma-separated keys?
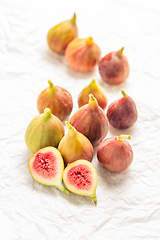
[
  {"x": 94, "y": 200},
  {"x": 73, "y": 19},
  {"x": 47, "y": 114},
  {"x": 63, "y": 189},
  {"x": 89, "y": 41},
  {"x": 92, "y": 100},
  {"x": 50, "y": 83},
  {"x": 123, "y": 93},
  {"x": 120, "y": 52},
  {"x": 69, "y": 126},
  {"x": 122, "y": 136}
]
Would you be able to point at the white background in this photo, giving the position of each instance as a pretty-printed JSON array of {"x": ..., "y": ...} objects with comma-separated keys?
[{"x": 129, "y": 202}]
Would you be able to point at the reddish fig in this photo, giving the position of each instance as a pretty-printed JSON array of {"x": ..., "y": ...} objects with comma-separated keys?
[
  {"x": 58, "y": 99},
  {"x": 74, "y": 146},
  {"x": 82, "y": 54},
  {"x": 122, "y": 113},
  {"x": 91, "y": 121},
  {"x": 115, "y": 153},
  {"x": 43, "y": 131},
  {"x": 114, "y": 68},
  {"x": 98, "y": 93},
  {"x": 46, "y": 167},
  {"x": 60, "y": 35},
  {"x": 80, "y": 177}
]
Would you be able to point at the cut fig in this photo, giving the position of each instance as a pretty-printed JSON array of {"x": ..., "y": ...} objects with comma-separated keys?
[
  {"x": 80, "y": 177},
  {"x": 46, "y": 167}
]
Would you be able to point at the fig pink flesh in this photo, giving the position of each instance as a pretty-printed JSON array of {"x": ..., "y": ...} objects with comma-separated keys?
[
  {"x": 45, "y": 165},
  {"x": 80, "y": 176}
]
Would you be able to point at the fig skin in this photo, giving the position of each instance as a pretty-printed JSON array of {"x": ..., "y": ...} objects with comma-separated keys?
[
  {"x": 80, "y": 177},
  {"x": 114, "y": 68},
  {"x": 74, "y": 146},
  {"x": 91, "y": 121},
  {"x": 115, "y": 153},
  {"x": 122, "y": 113},
  {"x": 98, "y": 93},
  {"x": 60, "y": 35},
  {"x": 46, "y": 167},
  {"x": 82, "y": 55},
  {"x": 43, "y": 131},
  {"x": 58, "y": 99}
]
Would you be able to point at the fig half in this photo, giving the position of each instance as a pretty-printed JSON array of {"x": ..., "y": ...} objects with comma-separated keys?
[
  {"x": 46, "y": 167},
  {"x": 80, "y": 177}
]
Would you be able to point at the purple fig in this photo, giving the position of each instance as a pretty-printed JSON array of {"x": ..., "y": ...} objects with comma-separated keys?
[
  {"x": 122, "y": 113},
  {"x": 115, "y": 153},
  {"x": 91, "y": 121},
  {"x": 114, "y": 67}
]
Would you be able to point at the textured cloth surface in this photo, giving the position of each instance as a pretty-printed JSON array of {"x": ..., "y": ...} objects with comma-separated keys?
[{"x": 129, "y": 202}]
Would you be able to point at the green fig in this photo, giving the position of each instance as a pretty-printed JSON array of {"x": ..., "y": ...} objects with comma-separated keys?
[
  {"x": 98, "y": 93},
  {"x": 46, "y": 167},
  {"x": 74, "y": 146},
  {"x": 80, "y": 177},
  {"x": 58, "y": 99},
  {"x": 60, "y": 35},
  {"x": 43, "y": 131}
]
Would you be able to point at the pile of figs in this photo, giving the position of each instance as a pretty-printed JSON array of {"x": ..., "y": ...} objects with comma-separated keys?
[{"x": 64, "y": 160}]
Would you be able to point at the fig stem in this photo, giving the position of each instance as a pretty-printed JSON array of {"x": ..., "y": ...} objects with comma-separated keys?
[
  {"x": 94, "y": 200},
  {"x": 89, "y": 41},
  {"x": 123, "y": 93},
  {"x": 69, "y": 126},
  {"x": 50, "y": 83},
  {"x": 120, "y": 52},
  {"x": 92, "y": 100},
  {"x": 123, "y": 136},
  {"x": 47, "y": 114},
  {"x": 73, "y": 19}
]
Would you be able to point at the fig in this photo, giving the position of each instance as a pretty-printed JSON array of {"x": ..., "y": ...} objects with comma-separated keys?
[
  {"x": 91, "y": 121},
  {"x": 43, "y": 131},
  {"x": 80, "y": 177},
  {"x": 115, "y": 153},
  {"x": 122, "y": 113},
  {"x": 74, "y": 146},
  {"x": 114, "y": 67},
  {"x": 46, "y": 167},
  {"x": 98, "y": 93},
  {"x": 58, "y": 99},
  {"x": 82, "y": 54},
  {"x": 60, "y": 35}
]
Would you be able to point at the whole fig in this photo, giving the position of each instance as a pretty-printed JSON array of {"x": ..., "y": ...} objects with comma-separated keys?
[
  {"x": 115, "y": 153},
  {"x": 98, "y": 93},
  {"x": 58, "y": 99},
  {"x": 43, "y": 131},
  {"x": 91, "y": 121},
  {"x": 82, "y": 54},
  {"x": 114, "y": 67},
  {"x": 60, "y": 35},
  {"x": 122, "y": 113},
  {"x": 74, "y": 146}
]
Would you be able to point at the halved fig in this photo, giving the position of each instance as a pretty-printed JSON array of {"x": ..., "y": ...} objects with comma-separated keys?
[
  {"x": 46, "y": 167},
  {"x": 80, "y": 177}
]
